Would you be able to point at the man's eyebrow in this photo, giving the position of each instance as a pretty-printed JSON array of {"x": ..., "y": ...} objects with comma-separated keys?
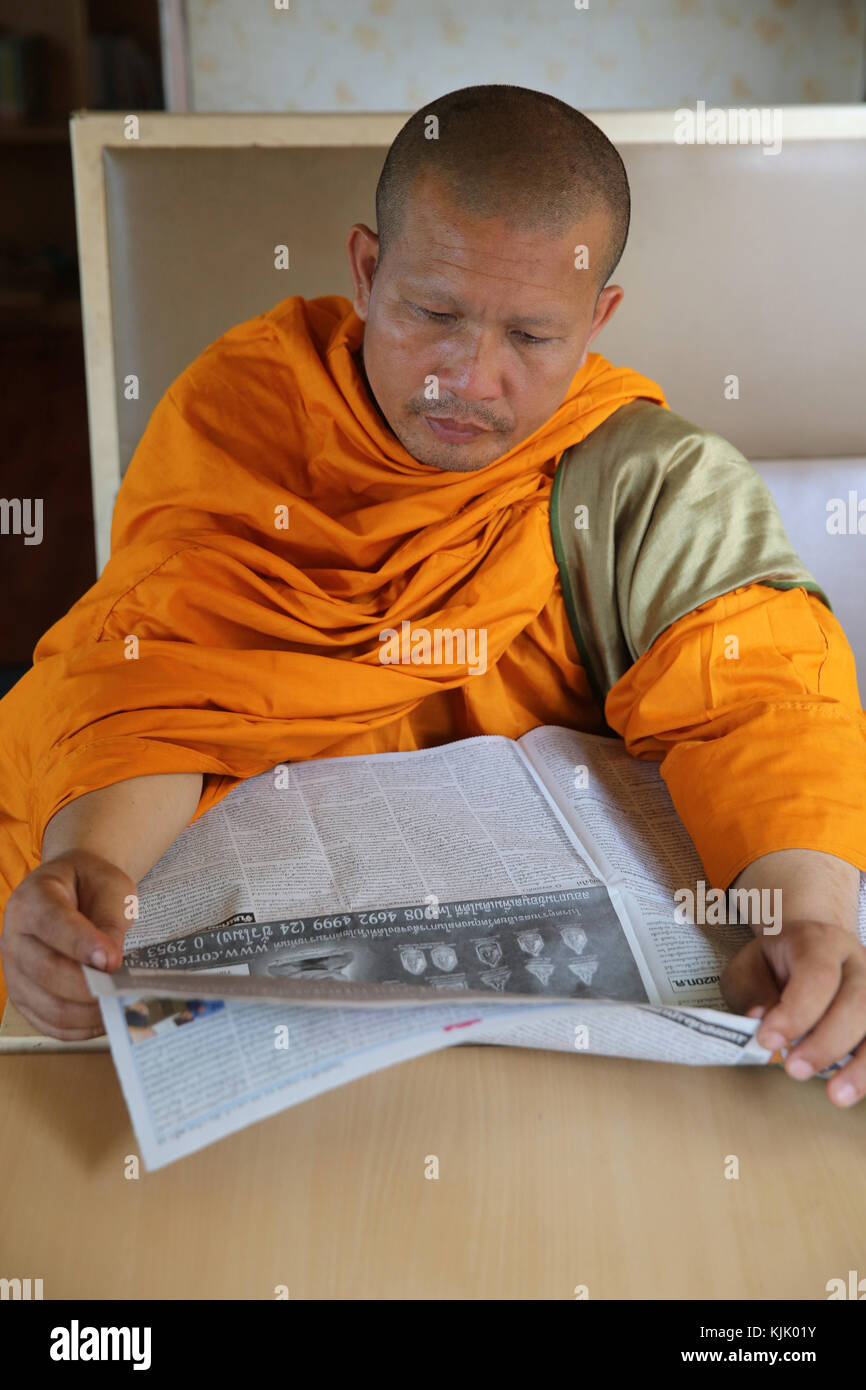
[{"x": 444, "y": 297}]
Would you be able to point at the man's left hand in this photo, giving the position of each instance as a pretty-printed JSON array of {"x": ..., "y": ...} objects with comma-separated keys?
[{"x": 807, "y": 982}]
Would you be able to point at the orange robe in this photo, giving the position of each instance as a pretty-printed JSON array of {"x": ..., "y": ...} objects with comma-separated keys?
[{"x": 270, "y": 527}]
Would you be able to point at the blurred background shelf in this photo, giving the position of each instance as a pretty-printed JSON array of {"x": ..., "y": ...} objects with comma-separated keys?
[
  {"x": 56, "y": 56},
  {"x": 13, "y": 133}
]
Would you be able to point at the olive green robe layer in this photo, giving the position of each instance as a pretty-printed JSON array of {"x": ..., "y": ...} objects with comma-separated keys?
[{"x": 651, "y": 516}]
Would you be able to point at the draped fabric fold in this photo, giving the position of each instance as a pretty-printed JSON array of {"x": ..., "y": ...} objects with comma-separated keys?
[
  {"x": 269, "y": 529},
  {"x": 760, "y": 753}
]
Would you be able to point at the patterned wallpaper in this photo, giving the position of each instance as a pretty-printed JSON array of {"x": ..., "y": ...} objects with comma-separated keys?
[{"x": 393, "y": 55}]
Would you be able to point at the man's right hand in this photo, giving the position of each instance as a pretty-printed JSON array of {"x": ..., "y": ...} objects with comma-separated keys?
[{"x": 62, "y": 915}]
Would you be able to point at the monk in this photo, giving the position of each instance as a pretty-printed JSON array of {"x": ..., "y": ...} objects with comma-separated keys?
[{"x": 333, "y": 469}]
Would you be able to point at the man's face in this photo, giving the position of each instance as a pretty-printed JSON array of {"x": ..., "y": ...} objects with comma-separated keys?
[{"x": 495, "y": 319}]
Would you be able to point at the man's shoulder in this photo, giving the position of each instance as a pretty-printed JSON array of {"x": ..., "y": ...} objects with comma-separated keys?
[
  {"x": 654, "y": 434},
  {"x": 652, "y": 516},
  {"x": 645, "y": 456},
  {"x": 264, "y": 351}
]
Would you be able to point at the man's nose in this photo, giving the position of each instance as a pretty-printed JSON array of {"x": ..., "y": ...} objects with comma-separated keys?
[{"x": 474, "y": 363}]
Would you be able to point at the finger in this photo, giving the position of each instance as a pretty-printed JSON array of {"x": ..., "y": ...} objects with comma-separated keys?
[
  {"x": 58, "y": 1018},
  {"x": 849, "y": 1084},
  {"x": 105, "y": 900},
  {"x": 748, "y": 983},
  {"x": 56, "y": 974},
  {"x": 814, "y": 980},
  {"x": 838, "y": 1032},
  {"x": 49, "y": 917}
]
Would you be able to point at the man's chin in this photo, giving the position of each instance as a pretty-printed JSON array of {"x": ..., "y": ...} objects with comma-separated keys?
[
  {"x": 466, "y": 457},
  {"x": 458, "y": 465}
]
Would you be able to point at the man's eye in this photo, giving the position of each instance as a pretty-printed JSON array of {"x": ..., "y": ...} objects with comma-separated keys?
[{"x": 435, "y": 314}]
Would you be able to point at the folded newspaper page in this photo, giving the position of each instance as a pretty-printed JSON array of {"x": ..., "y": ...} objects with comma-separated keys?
[
  {"x": 333, "y": 917},
  {"x": 193, "y": 1071}
]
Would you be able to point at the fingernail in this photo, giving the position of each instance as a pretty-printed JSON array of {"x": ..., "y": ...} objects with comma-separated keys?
[
  {"x": 800, "y": 1069},
  {"x": 771, "y": 1040},
  {"x": 99, "y": 959},
  {"x": 757, "y": 1012},
  {"x": 845, "y": 1093}
]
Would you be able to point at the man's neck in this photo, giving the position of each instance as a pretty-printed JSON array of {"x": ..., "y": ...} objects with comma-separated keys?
[{"x": 358, "y": 359}]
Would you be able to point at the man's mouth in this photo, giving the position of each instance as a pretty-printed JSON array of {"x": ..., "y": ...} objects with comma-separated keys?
[{"x": 454, "y": 431}]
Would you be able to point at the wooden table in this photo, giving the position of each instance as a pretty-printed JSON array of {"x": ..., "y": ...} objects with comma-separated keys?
[{"x": 554, "y": 1171}]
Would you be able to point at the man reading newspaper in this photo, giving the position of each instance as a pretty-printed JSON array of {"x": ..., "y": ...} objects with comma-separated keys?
[{"x": 339, "y": 535}]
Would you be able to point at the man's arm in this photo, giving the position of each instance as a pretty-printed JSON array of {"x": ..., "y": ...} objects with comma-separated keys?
[
  {"x": 131, "y": 823},
  {"x": 814, "y": 886},
  {"x": 812, "y": 974},
  {"x": 752, "y": 701},
  {"x": 74, "y": 908}
]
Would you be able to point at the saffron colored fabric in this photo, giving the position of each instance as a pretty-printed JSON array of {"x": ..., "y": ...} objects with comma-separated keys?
[
  {"x": 270, "y": 527},
  {"x": 752, "y": 705}
]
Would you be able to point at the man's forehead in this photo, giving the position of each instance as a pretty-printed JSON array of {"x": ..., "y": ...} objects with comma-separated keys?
[
  {"x": 430, "y": 200},
  {"x": 436, "y": 288},
  {"x": 457, "y": 256}
]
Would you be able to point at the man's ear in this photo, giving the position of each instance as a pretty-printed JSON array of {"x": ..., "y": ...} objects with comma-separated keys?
[
  {"x": 362, "y": 249},
  {"x": 605, "y": 307}
]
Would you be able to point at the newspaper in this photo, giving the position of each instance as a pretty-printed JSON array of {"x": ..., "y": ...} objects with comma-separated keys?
[{"x": 330, "y": 918}]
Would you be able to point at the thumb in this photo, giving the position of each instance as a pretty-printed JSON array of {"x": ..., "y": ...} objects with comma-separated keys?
[
  {"x": 107, "y": 896},
  {"x": 748, "y": 983}
]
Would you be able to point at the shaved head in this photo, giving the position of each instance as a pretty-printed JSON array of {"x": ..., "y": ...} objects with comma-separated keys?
[
  {"x": 502, "y": 214},
  {"x": 512, "y": 153}
]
